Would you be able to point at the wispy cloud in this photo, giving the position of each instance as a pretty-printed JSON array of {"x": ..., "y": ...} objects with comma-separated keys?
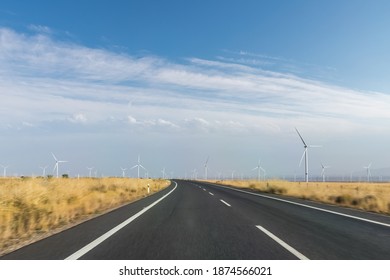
[
  {"x": 43, "y": 80},
  {"x": 40, "y": 29}
]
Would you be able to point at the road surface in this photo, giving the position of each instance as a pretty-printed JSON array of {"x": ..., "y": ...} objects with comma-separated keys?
[{"x": 195, "y": 220}]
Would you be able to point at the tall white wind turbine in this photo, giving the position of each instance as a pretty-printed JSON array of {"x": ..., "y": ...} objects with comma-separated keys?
[
  {"x": 259, "y": 169},
  {"x": 233, "y": 174},
  {"x": 194, "y": 174},
  {"x": 368, "y": 171},
  {"x": 163, "y": 173},
  {"x": 206, "y": 168},
  {"x": 138, "y": 165},
  {"x": 90, "y": 171},
  {"x": 305, "y": 155},
  {"x": 5, "y": 170},
  {"x": 56, "y": 166},
  {"x": 43, "y": 170},
  {"x": 123, "y": 171}
]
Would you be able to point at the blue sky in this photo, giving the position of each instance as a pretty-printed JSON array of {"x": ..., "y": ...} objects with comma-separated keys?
[{"x": 100, "y": 82}]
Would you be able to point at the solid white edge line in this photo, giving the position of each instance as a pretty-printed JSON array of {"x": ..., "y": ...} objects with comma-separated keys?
[
  {"x": 308, "y": 206},
  {"x": 100, "y": 239},
  {"x": 283, "y": 244},
  {"x": 225, "y": 203}
]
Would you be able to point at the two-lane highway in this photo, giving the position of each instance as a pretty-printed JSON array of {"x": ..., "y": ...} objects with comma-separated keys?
[{"x": 197, "y": 220}]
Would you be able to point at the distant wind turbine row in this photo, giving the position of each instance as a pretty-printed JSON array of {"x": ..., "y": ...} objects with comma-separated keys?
[{"x": 259, "y": 168}]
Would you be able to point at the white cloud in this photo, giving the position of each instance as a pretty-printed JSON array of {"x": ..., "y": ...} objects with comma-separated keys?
[
  {"x": 78, "y": 118},
  {"x": 165, "y": 123},
  {"x": 131, "y": 120}
]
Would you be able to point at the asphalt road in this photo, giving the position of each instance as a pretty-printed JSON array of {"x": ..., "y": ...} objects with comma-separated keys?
[{"x": 195, "y": 220}]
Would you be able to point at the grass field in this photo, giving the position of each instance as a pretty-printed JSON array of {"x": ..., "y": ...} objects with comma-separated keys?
[
  {"x": 374, "y": 197},
  {"x": 33, "y": 207}
]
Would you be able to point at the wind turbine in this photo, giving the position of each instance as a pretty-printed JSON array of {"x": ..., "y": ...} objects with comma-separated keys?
[
  {"x": 206, "y": 168},
  {"x": 194, "y": 174},
  {"x": 323, "y": 171},
  {"x": 90, "y": 171},
  {"x": 305, "y": 154},
  {"x": 163, "y": 172},
  {"x": 57, "y": 163},
  {"x": 123, "y": 172},
  {"x": 368, "y": 171},
  {"x": 138, "y": 165},
  {"x": 43, "y": 170},
  {"x": 259, "y": 169},
  {"x": 4, "y": 170}
]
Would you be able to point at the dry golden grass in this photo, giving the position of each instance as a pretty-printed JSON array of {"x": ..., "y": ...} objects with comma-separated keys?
[
  {"x": 373, "y": 197},
  {"x": 35, "y": 206}
]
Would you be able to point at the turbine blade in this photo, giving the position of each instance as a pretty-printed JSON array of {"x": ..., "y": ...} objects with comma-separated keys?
[
  {"x": 134, "y": 166},
  {"x": 262, "y": 169},
  {"x": 315, "y": 146},
  {"x": 142, "y": 167},
  {"x": 303, "y": 141},
  {"x": 54, "y": 157}
]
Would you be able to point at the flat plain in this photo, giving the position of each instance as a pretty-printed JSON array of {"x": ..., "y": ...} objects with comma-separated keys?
[
  {"x": 33, "y": 208},
  {"x": 368, "y": 196}
]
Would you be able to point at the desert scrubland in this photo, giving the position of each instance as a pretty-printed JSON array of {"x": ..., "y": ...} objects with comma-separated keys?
[{"x": 32, "y": 208}]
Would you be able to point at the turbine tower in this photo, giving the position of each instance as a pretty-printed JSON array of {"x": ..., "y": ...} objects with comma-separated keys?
[
  {"x": 368, "y": 171},
  {"x": 305, "y": 154},
  {"x": 138, "y": 165},
  {"x": 323, "y": 171},
  {"x": 56, "y": 166},
  {"x": 206, "y": 168}
]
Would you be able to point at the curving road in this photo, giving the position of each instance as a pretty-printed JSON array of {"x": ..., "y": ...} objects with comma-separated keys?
[{"x": 197, "y": 220}]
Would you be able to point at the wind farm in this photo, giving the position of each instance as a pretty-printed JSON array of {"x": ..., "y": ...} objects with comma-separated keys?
[
  {"x": 57, "y": 201},
  {"x": 187, "y": 131}
]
